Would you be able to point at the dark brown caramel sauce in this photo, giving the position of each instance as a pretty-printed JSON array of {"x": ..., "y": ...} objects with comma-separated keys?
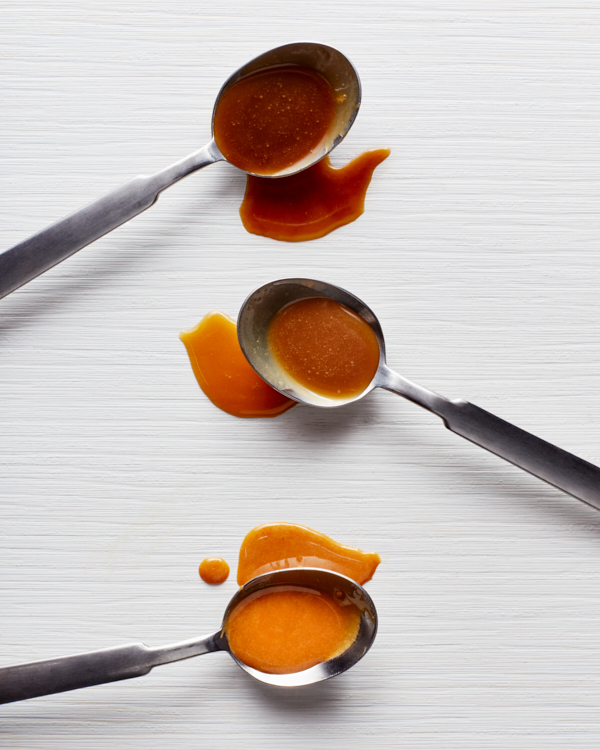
[
  {"x": 325, "y": 347},
  {"x": 272, "y": 119},
  {"x": 312, "y": 203}
]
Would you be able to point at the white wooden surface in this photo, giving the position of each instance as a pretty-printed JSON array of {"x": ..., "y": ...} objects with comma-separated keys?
[{"x": 479, "y": 251}]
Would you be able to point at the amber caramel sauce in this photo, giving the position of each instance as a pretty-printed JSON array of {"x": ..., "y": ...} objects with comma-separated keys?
[
  {"x": 272, "y": 119},
  {"x": 224, "y": 374},
  {"x": 273, "y": 546},
  {"x": 312, "y": 203},
  {"x": 214, "y": 570},
  {"x": 325, "y": 347},
  {"x": 280, "y": 631}
]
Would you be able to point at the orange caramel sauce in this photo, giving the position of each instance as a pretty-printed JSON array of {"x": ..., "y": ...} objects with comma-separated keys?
[
  {"x": 285, "y": 631},
  {"x": 214, "y": 570},
  {"x": 280, "y": 631},
  {"x": 273, "y": 546},
  {"x": 312, "y": 203},
  {"x": 273, "y": 118},
  {"x": 224, "y": 374},
  {"x": 325, "y": 347}
]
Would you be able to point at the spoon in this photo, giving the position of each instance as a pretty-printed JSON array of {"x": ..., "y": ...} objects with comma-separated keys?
[
  {"x": 30, "y": 680},
  {"x": 544, "y": 460},
  {"x": 45, "y": 249}
]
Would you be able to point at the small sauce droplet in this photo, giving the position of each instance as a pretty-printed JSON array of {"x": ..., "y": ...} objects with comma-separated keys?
[
  {"x": 223, "y": 372},
  {"x": 214, "y": 570},
  {"x": 309, "y": 204},
  {"x": 325, "y": 347}
]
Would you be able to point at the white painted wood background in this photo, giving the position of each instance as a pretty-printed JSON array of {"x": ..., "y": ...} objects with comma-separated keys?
[{"x": 479, "y": 251}]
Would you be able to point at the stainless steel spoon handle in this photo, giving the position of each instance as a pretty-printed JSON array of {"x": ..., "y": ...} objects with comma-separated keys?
[
  {"x": 544, "y": 460},
  {"x": 23, "y": 681},
  {"x": 45, "y": 249}
]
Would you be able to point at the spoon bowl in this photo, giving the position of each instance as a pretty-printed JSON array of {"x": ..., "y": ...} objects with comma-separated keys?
[
  {"x": 334, "y": 67},
  {"x": 22, "y": 681},
  {"x": 43, "y": 250},
  {"x": 554, "y": 465},
  {"x": 344, "y": 589}
]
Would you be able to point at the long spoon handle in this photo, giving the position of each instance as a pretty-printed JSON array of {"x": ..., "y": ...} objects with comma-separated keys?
[
  {"x": 45, "y": 249},
  {"x": 554, "y": 465},
  {"x": 22, "y": 681}
]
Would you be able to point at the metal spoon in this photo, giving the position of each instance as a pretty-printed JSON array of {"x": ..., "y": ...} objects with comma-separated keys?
[
  {"x": 36, "y": 678},
  {"x": 45, "y": 249},
  {"x": 546, "y": 461}
]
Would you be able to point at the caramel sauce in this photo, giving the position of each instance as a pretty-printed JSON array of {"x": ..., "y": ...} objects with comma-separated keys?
[
  {"x": 224, "y": 374},
  {"x": 312, "y": 203},
  {"x": 270, "y": 120},
  {"x": 280, "y": 631},
  {"x": 214, "y": 570},
  {"x": 325, "y": 347},
  {"x": 273, "y": 546}
]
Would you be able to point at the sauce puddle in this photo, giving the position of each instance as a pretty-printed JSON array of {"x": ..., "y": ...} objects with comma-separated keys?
[
  {"x": 324, "y": 347},
  {"x": 224, "y": 374},
  {"x": 280, "y": 631},
  {"x": 273, "y": 546},
  {"x": 309, "y": 204}
]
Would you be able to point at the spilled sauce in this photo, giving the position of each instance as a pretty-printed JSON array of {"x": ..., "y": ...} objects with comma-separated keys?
[
  {"x": 273, "y": 546},
  {"x": 224, "y": 374},
  {"x": 214, "y": 570},
  {"x": 309, "y": 204},
  {"x": 280, "y": 631},
  {"x": 273, "y": 118},
  {"x": 325, "y": 347}
]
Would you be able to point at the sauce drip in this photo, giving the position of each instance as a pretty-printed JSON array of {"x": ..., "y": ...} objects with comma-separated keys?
[
  {"x": 312, "y": 203},
  {"x": 285, "y": 631},
  {"x": 325, "y": 347},
  {"x": 224, "y": 374},
  {"x": 214, "y": 570},
  {"x": 270, "y": 120},
  {"x": 273, "y": 546}
]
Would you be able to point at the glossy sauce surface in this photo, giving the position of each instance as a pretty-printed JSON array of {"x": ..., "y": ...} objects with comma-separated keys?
[
  {"x": 224, "y": 374},
  {"x": 273, "y": 546},
  {"x": 285, "y": 631},
  {"x": 271, "y": 119},
  {"x": 309, "y": 204},
  {"x": 325, "y": 347},
  {"x": 214, "y": 570}
]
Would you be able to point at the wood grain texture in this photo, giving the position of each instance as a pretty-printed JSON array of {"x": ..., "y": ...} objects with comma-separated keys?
[{"x": 479, "y": 251}]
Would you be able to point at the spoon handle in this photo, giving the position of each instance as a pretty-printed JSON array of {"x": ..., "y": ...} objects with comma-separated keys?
[
  {"x": 22, "y": 681},
  {"x": 554, "y": 465},
  {"x": 45, "y": 249}
]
